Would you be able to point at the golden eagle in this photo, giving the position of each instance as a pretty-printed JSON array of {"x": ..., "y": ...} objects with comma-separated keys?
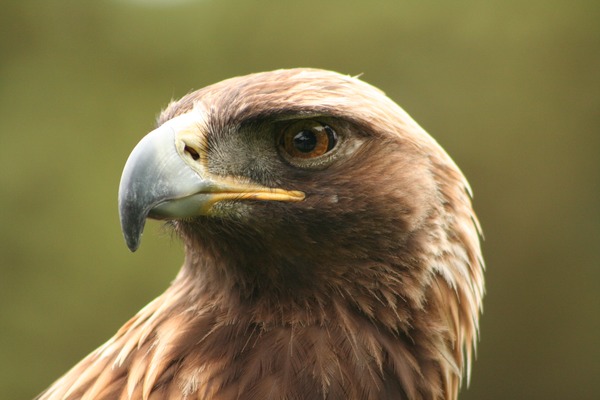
[{"x": 331, "y": 251}]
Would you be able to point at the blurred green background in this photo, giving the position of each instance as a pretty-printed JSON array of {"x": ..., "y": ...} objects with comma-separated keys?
[{"x": 510, "y": 88}]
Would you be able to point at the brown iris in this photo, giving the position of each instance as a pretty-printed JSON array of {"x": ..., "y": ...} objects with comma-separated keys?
[{"x": 307, "y": 139}]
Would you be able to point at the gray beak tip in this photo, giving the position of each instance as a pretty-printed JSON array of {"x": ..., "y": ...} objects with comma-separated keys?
[
  {"x": 132, "y": 225},
  {"x": 132, "y": 243}
]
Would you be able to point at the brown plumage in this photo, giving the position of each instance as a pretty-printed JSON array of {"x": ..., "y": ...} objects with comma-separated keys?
[{"x": 356, "y": 274}]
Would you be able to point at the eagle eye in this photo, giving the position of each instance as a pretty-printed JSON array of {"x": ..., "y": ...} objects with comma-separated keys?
[{"x": 307, "y": 139}]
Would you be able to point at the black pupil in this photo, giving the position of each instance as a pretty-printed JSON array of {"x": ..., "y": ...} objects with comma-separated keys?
[{"x": 305, "y": 141}]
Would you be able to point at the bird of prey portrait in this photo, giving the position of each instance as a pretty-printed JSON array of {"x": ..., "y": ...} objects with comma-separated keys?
[{"x": 331, "y": 251}]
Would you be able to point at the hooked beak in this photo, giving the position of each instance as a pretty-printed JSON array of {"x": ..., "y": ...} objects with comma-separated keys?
[{"x": 165, "y": 178}]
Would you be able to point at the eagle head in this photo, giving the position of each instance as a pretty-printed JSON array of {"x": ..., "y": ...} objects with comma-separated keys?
[{"x": 331, "y": 248}]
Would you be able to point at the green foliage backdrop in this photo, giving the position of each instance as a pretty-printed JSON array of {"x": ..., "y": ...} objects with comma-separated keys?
[{"x": 509, "y": 88}]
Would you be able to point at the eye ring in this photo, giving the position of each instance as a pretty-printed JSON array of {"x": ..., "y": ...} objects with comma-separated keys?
[{"x": 307, "y": 139}]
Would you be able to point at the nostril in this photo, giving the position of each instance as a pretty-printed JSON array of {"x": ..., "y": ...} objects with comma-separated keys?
[{"x": 193, "y": 153}]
